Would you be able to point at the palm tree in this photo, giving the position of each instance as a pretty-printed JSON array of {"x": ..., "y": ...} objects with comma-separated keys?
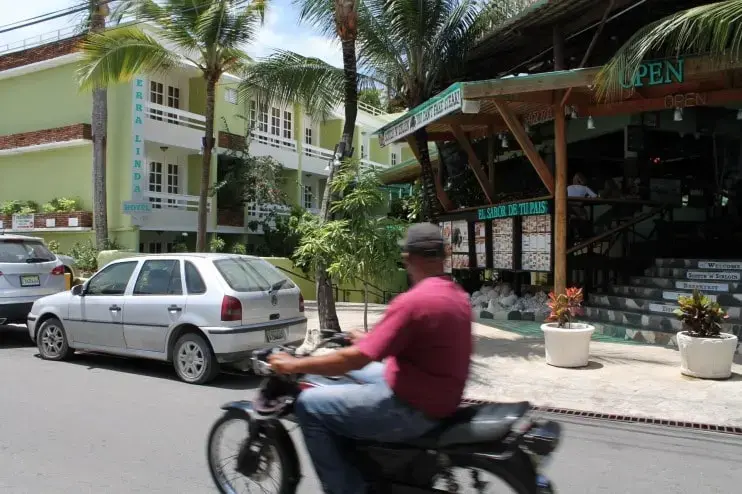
[
  {"x": 712, "y": 29},
  {"x": 207, "y": 33},
  {"x": 286, "y": 78}
]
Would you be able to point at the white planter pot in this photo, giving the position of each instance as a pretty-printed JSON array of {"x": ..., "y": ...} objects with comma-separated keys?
[
  {"x": 567, "y": 347},
  {"x": 707, "y": 358}
]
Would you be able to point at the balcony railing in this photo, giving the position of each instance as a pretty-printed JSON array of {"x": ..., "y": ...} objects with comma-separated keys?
[
  {"x": 371, "y": 109},
  {"x": 160, "y": 200},
  {"x": 39, "y": 39},
  {"x": 175, "y": 116}
]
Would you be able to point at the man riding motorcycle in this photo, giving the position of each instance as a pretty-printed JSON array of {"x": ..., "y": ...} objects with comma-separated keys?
[{"x": 425, "y": 341}]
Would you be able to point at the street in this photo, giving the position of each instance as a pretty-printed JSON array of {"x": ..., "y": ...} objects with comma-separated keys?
[{"x": 105, "y": 424}]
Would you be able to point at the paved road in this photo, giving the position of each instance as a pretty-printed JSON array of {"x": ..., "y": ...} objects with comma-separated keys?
[{"x": 102, "y": 424}]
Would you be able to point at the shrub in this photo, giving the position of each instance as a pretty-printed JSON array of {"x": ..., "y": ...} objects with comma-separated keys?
[
  {"x": 217, "y": 244},
  {"x": 62, "y": 205},
  {"x": 239, "y": 249},
  {"x": 53, "y": 246},
  {"x": 565, "y": 306},
  {"x": 85, "y": 255},
  {"x": 10, "y": 208},
  {"x": 701, "y": 316}
]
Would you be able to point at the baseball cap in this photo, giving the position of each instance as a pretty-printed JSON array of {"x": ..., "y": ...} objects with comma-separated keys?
[{"x": 423, "y": 239}]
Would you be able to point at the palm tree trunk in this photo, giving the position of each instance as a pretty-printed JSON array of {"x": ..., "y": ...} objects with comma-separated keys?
[
  {"x": 208, "y": 146},
  {"x": 326, "y": 310},
  {"x": 430, "y": 206},
  {"x": 99, "y": 126}
]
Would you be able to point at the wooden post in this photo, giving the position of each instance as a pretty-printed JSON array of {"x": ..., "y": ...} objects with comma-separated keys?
[
  {"x": 491, "y": 157},
  {"x": 560, "y": 175}
]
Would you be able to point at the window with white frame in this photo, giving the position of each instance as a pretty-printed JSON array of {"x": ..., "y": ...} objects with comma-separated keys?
[
  {"x": 307, "y": 140},
  {"x": 230, "y": 95},
  {"x": 155, "y": 183},
  {"x": 394, "y": 158},
  {"x": 308, "y": 198},
  {"x": 173, "y": 182},
  {"x": 156, "y": 96},
  {"x": 363, "y": 151},
  {"x": 173, "y": 101},
  {"x": 275, "y": 125},
  {"x": 163, "y": 180},
  {"x": 288, "y": 129},
  {"x": 259, "y": 120}
]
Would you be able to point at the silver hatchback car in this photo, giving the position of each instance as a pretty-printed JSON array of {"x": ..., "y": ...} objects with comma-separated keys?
[
  {"x": 198, "y": 311},
  {"x": 28, "y": 271}
]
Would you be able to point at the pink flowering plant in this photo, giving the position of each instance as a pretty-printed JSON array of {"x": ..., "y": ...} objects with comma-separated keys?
[{"x": 565, "y": 306}]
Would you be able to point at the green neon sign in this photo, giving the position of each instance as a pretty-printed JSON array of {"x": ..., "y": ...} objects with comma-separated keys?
[
  {"x": 531, "y": 208},
  {"x": 657, "y": 73}
]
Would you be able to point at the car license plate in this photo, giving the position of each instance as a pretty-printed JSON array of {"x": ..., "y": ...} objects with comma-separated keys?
[
  {"x": 275, "y": 334},
  {"x": 28, "y": 280}
]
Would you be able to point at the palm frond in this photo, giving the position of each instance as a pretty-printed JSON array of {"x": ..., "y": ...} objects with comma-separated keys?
[
  {"x": 119, "y": 54},
  {"x": 286, "y": 77},
  {"x": 320, "y": 14},
  {"x": 712, "y": 29}
]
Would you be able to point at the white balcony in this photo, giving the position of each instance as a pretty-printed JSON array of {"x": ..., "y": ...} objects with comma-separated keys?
[
  {"x": 314, "y": 159},
  {"x": 173, "y": 127},
  {"x": 172, "y": 212}
]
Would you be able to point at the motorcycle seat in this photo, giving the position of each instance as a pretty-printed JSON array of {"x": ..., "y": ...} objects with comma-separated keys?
[{"x": 474, "y": 424}]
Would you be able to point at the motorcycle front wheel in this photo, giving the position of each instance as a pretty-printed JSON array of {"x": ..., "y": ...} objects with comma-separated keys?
[{"x": 270, "y": 473}]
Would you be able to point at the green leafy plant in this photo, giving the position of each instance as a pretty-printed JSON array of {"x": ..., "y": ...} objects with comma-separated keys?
[
  {"x": 53, "y": 246},
  {"x": 565, "y": 306},
  {"x": 701, "y": 316},
  {"x": 85, "y": 255},
  {"x": 62, "y": 205},
  {"x": 238, "y": 248},
  {"x": 217, "y": 244},
  {"x": 10, "y": 208}
]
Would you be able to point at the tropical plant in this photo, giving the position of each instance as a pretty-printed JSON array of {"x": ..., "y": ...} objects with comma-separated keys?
[
  {"x": 238, "y": 248},
  {"x": 85, "y": 254},
  {"x": 217, "y": 244},
  {"x": 209, "y": 34},
  {"x": 9, "y": 208},
  {"x": 53, "y": 246},
  {"x": 63, "y": 205},
  {"x": 701, "y": 316},
  {"x": 359, "y": 246},
  {"x": 713, "y": 29},
  {"x": 565, "y": 306},
  {"x": 371, "y": 97}
]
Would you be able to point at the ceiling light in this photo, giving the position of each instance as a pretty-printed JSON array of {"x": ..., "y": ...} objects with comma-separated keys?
[
  {"x": 739, "y": 114},
  {"x": 574, "y": 113},
  {"x": 504, "y": 141},
  {"x": 590, "y": 123},
  {"x": 678, "y": 115}
]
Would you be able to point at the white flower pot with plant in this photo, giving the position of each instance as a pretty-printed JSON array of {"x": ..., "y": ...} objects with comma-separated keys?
[
  {"x": 567, "y": 343},
  {"x": 705, "y": 351}
]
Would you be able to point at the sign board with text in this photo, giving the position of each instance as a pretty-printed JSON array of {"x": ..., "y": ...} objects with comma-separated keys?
[
  {"x": 657, "y": 73},
  {"x": 530, "y": 208},
  {"x": 135, "y": 207},
  {"x": 23, "y": 221}
]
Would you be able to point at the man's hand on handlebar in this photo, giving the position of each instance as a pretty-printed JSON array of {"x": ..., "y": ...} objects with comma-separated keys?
[
  {"x": 283, "y": 363},
  {"x": 356, "y": 335}
]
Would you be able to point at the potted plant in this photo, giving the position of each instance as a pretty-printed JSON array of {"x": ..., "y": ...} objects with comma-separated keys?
[
  {"x": 705, "y": 351},
  {"x": 567, "y": 342}
]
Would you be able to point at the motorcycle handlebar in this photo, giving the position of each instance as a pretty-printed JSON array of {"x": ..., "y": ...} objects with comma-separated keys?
[{"x": 259, "y": 358}]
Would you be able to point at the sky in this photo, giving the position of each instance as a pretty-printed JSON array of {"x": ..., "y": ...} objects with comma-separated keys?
[{"x": 281, "y": 29}]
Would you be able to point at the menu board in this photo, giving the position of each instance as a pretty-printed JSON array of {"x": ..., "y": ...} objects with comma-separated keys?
[
  {"x": 460, "y": 244},
  {"x": 536, "y": 243},
  {"x": 502, "y": 243},
  {"x": 480, "y": 243},
  {"x": 446, "y": 232}
]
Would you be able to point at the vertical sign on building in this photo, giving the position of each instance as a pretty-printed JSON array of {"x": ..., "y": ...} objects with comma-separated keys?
[{"x": 137, "y": 207}]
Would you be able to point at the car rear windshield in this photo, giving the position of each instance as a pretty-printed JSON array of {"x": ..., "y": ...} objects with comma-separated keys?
[
  {"x": 251, "y": 275},
  {"x": 24, "y": 251}
]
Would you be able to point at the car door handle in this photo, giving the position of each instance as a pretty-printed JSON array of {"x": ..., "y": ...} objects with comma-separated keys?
[
  {"x": 114, "y": 308},
  {"x": 174, "y": 308}
]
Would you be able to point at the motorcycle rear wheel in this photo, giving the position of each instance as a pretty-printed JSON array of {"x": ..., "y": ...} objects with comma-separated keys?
[{"x": 271, "y": 454}]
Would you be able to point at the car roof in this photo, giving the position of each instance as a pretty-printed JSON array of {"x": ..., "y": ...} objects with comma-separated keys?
[
  {"x": 11, "y": 236},
  {"x": 187, "y": 255}
]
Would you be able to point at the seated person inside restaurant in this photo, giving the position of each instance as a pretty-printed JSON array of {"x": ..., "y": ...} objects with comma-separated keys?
[{"x": 579, "y": 223}]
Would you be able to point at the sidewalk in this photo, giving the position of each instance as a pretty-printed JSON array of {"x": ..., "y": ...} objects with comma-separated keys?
[{"x": 625, "y": 379}]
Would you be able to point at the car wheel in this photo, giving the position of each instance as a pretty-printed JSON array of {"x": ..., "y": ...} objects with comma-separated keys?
[
  {"x": 193, "y": 359},
  {"x": 52, "y": 341}
]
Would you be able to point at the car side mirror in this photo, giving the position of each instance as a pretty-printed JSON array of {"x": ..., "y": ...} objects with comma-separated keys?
[{"x": 78, "y": 290}]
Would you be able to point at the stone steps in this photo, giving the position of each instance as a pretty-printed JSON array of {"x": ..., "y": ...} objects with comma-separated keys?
[
  {"x": 725, "y": 265},
  {"x": 666, "y": 323},
  {"x": 662, "y": 295},
  {"x": 682, "y": 284},
  {"x": 648, "y": 305}
]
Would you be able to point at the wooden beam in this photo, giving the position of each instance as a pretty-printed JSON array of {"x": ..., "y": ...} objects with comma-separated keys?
[
  {"x": 439, "y": 192},
  {"x": 474, "y": 162},
  {"x": 484, "y": 119},
  {"x": 560, "y": 172},
  {"x": 526, "y": 145},
  {"x": 677, "y": 100}
]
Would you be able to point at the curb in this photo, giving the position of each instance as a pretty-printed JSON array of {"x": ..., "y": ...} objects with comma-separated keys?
[{"x": 679, "y": 424}]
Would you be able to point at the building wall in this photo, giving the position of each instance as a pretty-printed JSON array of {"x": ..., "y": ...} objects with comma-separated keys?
[{"x": 43, "y": 100}]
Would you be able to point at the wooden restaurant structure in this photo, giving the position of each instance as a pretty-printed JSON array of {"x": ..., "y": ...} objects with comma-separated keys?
[{"x": 665, "y": 140}]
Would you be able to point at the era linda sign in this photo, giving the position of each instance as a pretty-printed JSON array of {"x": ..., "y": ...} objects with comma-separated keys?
[
  {"x": 531, "y": 208},
  {"x": 137, "y": 207},
  {"x": 656, "y": 73}
]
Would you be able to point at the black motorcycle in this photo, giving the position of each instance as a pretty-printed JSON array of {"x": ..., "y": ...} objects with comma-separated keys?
[{"x": 498, "y": 440}]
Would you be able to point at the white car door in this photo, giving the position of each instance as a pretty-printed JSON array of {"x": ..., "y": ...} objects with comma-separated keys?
[
  {"x": 96, "y": 317},
  {"x": 156, "y": 303}
]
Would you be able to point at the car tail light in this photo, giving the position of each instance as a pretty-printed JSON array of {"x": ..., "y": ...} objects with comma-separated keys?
[
  {"x": 231, "y": 309},
  {"x": 301, "y": 302},
  {"x": 58, "y": 271}
]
